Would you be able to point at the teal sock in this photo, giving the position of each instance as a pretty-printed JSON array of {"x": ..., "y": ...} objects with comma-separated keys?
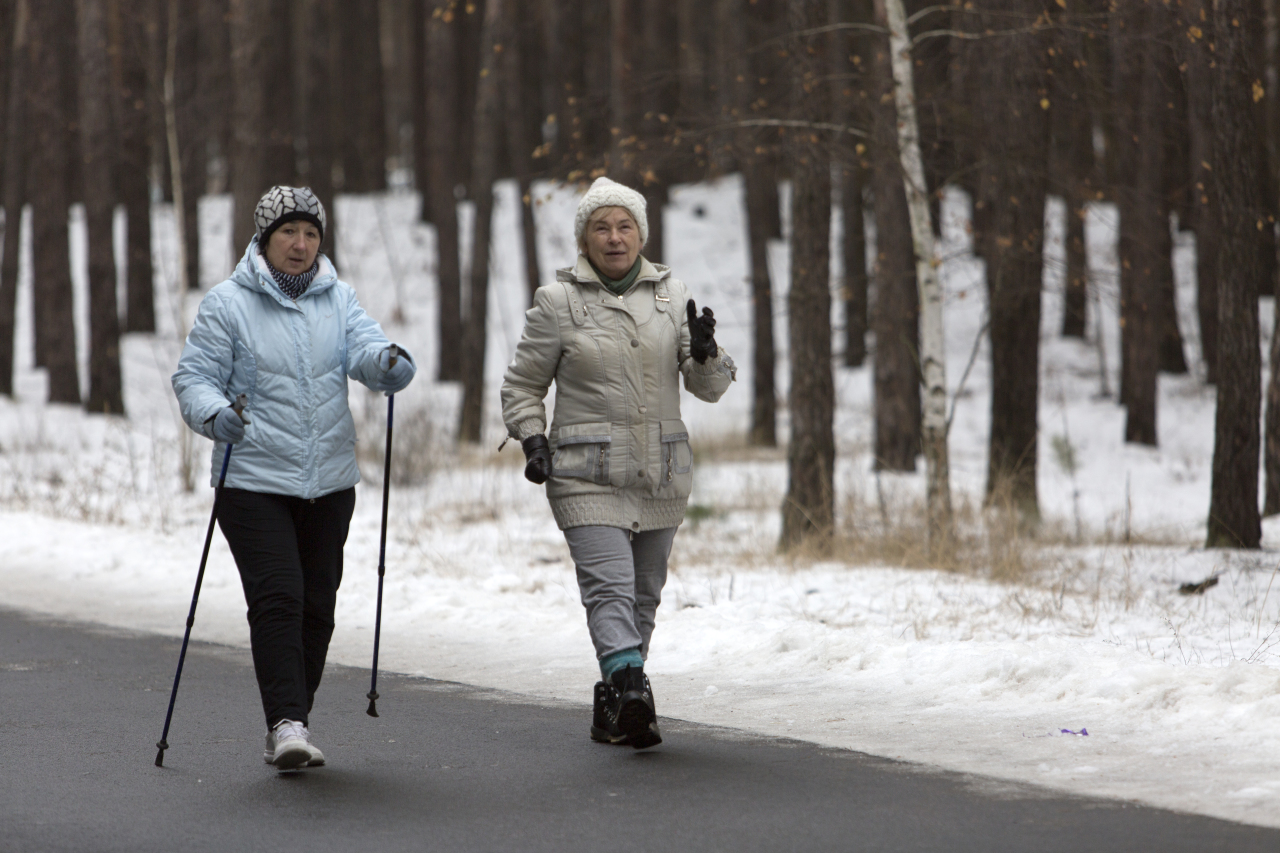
[{"x": 611, "y": 663}]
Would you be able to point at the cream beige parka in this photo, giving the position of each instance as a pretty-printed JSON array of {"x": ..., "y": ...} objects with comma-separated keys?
[{"x": 620, "y": 451}]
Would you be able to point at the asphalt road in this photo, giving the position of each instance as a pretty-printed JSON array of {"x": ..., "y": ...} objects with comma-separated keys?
[{"x": 454, "y": 768}]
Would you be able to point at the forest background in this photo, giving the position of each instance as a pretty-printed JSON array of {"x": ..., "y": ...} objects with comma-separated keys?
[{"x": 1168, "y": 109}]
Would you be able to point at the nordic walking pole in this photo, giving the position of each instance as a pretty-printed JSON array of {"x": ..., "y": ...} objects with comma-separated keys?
[
  {"x": 372, "y": 710},
  {"x": 163, "y": 743}
]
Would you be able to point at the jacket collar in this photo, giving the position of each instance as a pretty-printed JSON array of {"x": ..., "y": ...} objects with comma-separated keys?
[
  {"x": 253, "y": 274},
  {"x": 583, "y": 273}
]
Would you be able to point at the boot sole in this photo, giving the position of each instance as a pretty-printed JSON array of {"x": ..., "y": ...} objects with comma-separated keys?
[
  {"x": 637, "y": 721},
  {"x": 292, "y": 758},
  {"x": 600, "y": 735}
]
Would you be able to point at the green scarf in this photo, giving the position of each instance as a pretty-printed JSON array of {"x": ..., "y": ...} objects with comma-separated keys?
[{"x": 621, "y": 285}]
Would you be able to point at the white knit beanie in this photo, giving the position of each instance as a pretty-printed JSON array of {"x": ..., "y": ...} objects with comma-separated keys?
[{"x": 607, "y": 193}]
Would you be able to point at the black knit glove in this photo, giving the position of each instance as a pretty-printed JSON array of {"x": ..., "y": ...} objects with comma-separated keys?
[
  {"x": 702, "y": 333},
  {"x": 537, "y": 455}
]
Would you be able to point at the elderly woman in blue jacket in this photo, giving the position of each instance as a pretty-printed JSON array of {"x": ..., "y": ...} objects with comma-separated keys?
[{"x": 285, "y": 332}]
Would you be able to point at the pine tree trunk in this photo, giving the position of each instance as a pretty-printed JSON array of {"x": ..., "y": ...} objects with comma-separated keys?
[
  {"x": 761, "y": 191},
  {"x": 442, "y": 106},
  {"x": 192, "y": 135},
  {"x": 363, "y": 144},
  {"x": 133, "y": 178},
  {"x": 519, "y": 145},
  {"x": 1144, "y": 240},
  {"x": 105, "y": 392},
  {"x": 933, "y": 357},
  {"x": 51, "y": 144},
  {"x": 15, "y": 186},
  {"x": 483, "y": 173},
  {"x": 1233, "y": 504},
  {"x": 853, "y": 180},
  {"x": 808, "y": 509},
  {"x": 248, "y": 34},
  {"x": 895, "y": 319},
  {"x": 324, "y": 63},
  {"x": 1271, "y": 427},
  {"x": 1203, "y": 204}
]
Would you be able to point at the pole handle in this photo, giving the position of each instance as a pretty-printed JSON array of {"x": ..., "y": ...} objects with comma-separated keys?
[{"x": 240, "y": 405}]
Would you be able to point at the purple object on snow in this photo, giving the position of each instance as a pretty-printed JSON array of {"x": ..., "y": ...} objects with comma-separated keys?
[{"x": 1082, "y": 732}]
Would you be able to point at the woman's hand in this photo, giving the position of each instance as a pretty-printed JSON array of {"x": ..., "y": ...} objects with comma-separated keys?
[
  {"x": 702, "y": 333},
  {"x": 537, "y": 454},
  {"x": 228, "y": 426},
  {"x": 397, "y": 370}
]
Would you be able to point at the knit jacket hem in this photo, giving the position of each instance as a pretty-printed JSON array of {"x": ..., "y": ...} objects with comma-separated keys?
[{"x": 618, "y": 511}]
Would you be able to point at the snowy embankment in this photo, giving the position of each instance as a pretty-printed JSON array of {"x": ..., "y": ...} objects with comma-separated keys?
[{"x": 1179, "y": 694}]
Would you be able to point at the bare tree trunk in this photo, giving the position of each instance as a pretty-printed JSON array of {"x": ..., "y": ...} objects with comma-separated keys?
[
  {"x": 1233, "y": 503},
  {"x": 323, "y": 48},
  {"x": 248, "y": 31},
  {"x": 808, "y": 509},
  {"x": 1144, "y": 246},
  {"x": 483, "y": 173},
  {"x": 51, "y": 142},
  {"x": 853, "y": 180},
  {"x": 190, "y": 113},
  {"x": 442, "y": 106},
  {"x": 1076, "y": 291},
  {"x": 363, "y": 143},
  {"x": 759, "y": 195},
  {"x": 15, "y": 187},
  {"x": 896, "y": 317},
  {"x": 133, "y": 178},
  {"x": 933, "y": 357},
  {"x": 519, "y": 145},
  {"x": 105, "y": 392},
  {"x": 1205, "y": 217}
]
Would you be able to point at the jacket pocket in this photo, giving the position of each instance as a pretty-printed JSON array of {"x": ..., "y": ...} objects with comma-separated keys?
[
  {"x": 677, "y": 456},
  {"x": 582, "y": 451}
]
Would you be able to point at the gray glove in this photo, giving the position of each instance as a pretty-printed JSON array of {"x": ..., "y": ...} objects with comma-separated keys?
[
  {"x": 397, "y": 370},
  {"x": 228, "y": 427}
]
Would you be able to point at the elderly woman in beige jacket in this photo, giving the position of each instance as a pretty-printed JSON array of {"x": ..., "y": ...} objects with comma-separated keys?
[{"x": 615, "y": 332}]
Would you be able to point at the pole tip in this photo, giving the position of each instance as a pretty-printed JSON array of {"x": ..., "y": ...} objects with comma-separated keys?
[
  {"x": 160, "y": 753},
  {"x": 372, "y": 710}
]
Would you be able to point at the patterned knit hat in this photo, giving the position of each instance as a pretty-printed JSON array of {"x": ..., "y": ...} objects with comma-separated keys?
[
  {"x": 286, "y": 204},
  {"x": 607, "y": 193}
]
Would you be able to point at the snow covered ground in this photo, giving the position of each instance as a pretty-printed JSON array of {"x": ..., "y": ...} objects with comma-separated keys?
[{"x": 1179, "y": 694}]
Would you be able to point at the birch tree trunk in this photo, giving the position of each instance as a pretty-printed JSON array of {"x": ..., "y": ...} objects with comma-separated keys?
[
  {"x": 105, "y": 392},
  {"x": 933, "y": 360}
]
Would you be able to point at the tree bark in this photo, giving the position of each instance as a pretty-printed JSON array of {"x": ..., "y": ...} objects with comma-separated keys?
[
  {"x": 896, "y": 314},
  {"x": 1233, "y": 504},
  {"x": 1205, "y": 217},
  {"x": 850, "y": 106},
  {"x": 105, "y": 392},
  {"x": 483, "y": 173},
  {"x": 51, "y": 143},
  {"x": 15, "y": 186},
  {"x": 248, "y": 32},
  {"x": 190, "y": 114},
  {"x": 761, "y": 191},
  {"x": 516, "y": 101},
  {"x": 363, "y": 143},
  {"x": 808, "y": 509},
  {"x": 133, "y": 177},
  {"x": 933, "y": 357},
  {"x": 443, "y": 177}
]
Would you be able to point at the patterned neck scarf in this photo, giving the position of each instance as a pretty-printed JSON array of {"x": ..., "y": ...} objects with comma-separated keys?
[{"x": 293, "y": 285}]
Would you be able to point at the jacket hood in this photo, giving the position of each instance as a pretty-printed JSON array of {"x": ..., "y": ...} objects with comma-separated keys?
[
  {"x": 253, "y": 274},
  {"x": 583, "y": 272}
]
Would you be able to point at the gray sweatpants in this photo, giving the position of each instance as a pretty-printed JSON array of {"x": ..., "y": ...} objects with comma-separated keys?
[{"x": 620, "y": 576}]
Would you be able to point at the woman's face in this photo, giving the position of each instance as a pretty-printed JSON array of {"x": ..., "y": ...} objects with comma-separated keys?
[
  {"x": 613, "y": 241},
  {"x": 292, "y": 247}
]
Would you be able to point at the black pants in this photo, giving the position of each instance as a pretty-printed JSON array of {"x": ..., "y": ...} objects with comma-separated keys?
[{"x": 289, "y": 553}]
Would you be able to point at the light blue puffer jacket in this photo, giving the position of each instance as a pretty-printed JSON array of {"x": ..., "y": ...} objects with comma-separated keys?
[{"x": 292, "y": 359}]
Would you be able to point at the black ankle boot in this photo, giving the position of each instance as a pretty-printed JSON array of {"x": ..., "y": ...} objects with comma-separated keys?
[
  {"x": 636, "y": 716},
  {"x": 604, "y": 716}
]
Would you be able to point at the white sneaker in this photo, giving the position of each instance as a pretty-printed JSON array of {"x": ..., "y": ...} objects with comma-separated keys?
[
  {"x": 317, "y": 757},
  {"x": 286, "y": 746}
]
